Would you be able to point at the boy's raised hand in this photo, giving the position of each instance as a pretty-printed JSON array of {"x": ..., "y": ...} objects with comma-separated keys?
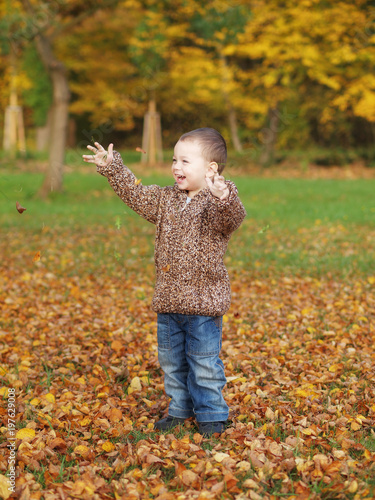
[
  {"x": 101, "y": 157},
  {"x": 217, "y": 186}
]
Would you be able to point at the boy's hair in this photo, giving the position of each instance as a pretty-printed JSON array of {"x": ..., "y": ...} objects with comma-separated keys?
[{"x": 213, "y": 145}]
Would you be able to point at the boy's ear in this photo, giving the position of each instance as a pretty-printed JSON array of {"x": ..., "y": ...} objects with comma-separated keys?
[{"x": 212, "y": 169}]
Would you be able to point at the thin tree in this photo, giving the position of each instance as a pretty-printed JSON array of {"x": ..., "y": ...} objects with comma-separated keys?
[{"x": 47, "y": 21}]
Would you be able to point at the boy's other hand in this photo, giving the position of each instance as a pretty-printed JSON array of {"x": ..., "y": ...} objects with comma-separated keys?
[
  {"x": 217, "y": 186},
  {"x": 101, "y": 157}
]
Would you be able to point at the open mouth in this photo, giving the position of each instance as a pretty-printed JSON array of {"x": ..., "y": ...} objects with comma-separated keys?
[{"x": 180, "y": 178}]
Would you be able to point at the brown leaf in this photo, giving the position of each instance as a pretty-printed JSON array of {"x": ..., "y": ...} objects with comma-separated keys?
[
  {"x": 140, "y": 150},
  {"x": 189, "y": 478},
  {"x": 20, "y": 208},
  {"x": 153, "y": 459},
  {"x": 58, "y": 443}
]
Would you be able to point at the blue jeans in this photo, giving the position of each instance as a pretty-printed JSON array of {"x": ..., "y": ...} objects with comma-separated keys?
[{"x": 189, "y": 348}]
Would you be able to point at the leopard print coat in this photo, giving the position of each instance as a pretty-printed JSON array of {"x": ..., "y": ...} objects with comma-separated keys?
[{"x": 190, "y": 243}]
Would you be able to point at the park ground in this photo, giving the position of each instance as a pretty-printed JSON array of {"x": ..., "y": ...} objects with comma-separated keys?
[{"x": 78, "y": 343}]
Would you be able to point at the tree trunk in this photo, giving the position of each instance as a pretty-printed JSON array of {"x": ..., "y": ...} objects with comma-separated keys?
[
  {"x": 59, "y": 114},
  {"x": 43, "y": 134},
  {"x": 231, "y": 112},
  {"x": 269, "y": 138}
]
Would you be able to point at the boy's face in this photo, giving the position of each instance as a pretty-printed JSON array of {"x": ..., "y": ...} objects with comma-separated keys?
[{"x": 190, "y": 168}]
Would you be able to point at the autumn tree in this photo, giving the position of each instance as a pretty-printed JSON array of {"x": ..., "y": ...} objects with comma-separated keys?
[
  {"x": 310, "y": 64},
  {"x": 44, "y": 22}
]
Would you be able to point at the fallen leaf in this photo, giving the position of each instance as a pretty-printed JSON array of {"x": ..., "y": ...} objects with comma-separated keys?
[
  {"x": 219, "y": 457},
  {"x": 108, "y": 446},
  {"x": 5, "y": 491},
  {"x": 81, "y": 450},
  {"x": 25, "y": 434},
  {"x": 37, "y": 257}
]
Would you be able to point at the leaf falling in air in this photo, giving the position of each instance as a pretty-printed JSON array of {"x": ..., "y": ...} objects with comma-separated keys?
[
  {"x": 20, "y": 208},
  {"x": 140, "y": 150},
  {"x": 264, "y": 229}
]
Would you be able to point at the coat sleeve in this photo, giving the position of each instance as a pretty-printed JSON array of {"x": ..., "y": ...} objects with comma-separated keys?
[
  {"x": 144, "y": 200},
  {"x": 228, "y": 214}
]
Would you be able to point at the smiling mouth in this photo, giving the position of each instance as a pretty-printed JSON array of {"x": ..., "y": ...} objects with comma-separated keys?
[{"x": 180, "y": 178}]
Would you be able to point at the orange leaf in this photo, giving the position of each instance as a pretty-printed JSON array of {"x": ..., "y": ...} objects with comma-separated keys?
[
  {"x": 116, "y": 345},
  {"x": 37, "y": 257},
  {"x": 140, "y": 150},
  {"x": 115, "y": 415}
]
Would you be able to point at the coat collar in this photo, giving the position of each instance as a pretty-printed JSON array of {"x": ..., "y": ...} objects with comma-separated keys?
[{"x": 203, "y": 193}]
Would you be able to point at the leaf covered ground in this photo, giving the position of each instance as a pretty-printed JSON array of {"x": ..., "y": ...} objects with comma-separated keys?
[{"x": 78, "y": 344}]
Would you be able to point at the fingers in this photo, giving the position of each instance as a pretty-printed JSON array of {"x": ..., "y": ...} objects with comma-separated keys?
[{"x": 99, "y": 153}]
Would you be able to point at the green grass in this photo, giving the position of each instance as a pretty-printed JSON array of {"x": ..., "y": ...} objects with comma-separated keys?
[{"x": 293, "y": 225}]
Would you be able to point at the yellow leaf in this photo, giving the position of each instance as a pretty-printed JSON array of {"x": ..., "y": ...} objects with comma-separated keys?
[
  {"x": 3, "y": 391},
  {"x": 5, "y": 492},
  {"x": 353, "y": 486},
  {"x": 25, "y": 434},
  {"x": 81, "y": 450},
  {"x": 355, "y": 426},
  {"x": 49, "y": 397},
  {"x": 219, "y": 457},
  {"x": 148, "y": 402},
  {"x": 35, "y": 401},
  {"x": 108, "y": 446},
  {"x": 308, "y": 432},
  {"x": 336, "y": 367},
  {"x": 135, "y": 384},
  {"x": 270, "y": 414},
  {"x": 85, "y": 421},
  {"x": 138, "y": 181}
]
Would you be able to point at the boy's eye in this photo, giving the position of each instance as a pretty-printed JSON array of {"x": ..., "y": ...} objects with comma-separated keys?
[
  {"x": 174, "y": 160},
  {"x": 185, "y": 161}
]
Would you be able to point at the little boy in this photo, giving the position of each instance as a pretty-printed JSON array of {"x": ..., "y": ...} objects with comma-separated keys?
[{"x": 194, "y": 220}]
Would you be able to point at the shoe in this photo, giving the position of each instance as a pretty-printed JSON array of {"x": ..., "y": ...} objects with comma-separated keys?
[
  {"x": 209, "y": 428},
  {"x": 168, "y": 423}
]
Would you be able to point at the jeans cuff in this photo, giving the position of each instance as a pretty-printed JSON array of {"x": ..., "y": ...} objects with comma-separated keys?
[
  {"x": 211, "y": 416},
  {"x": 181, "y": 413}
]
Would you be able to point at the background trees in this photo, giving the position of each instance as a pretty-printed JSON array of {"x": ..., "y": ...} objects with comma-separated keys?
[{"x": 268, "y": 74}]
